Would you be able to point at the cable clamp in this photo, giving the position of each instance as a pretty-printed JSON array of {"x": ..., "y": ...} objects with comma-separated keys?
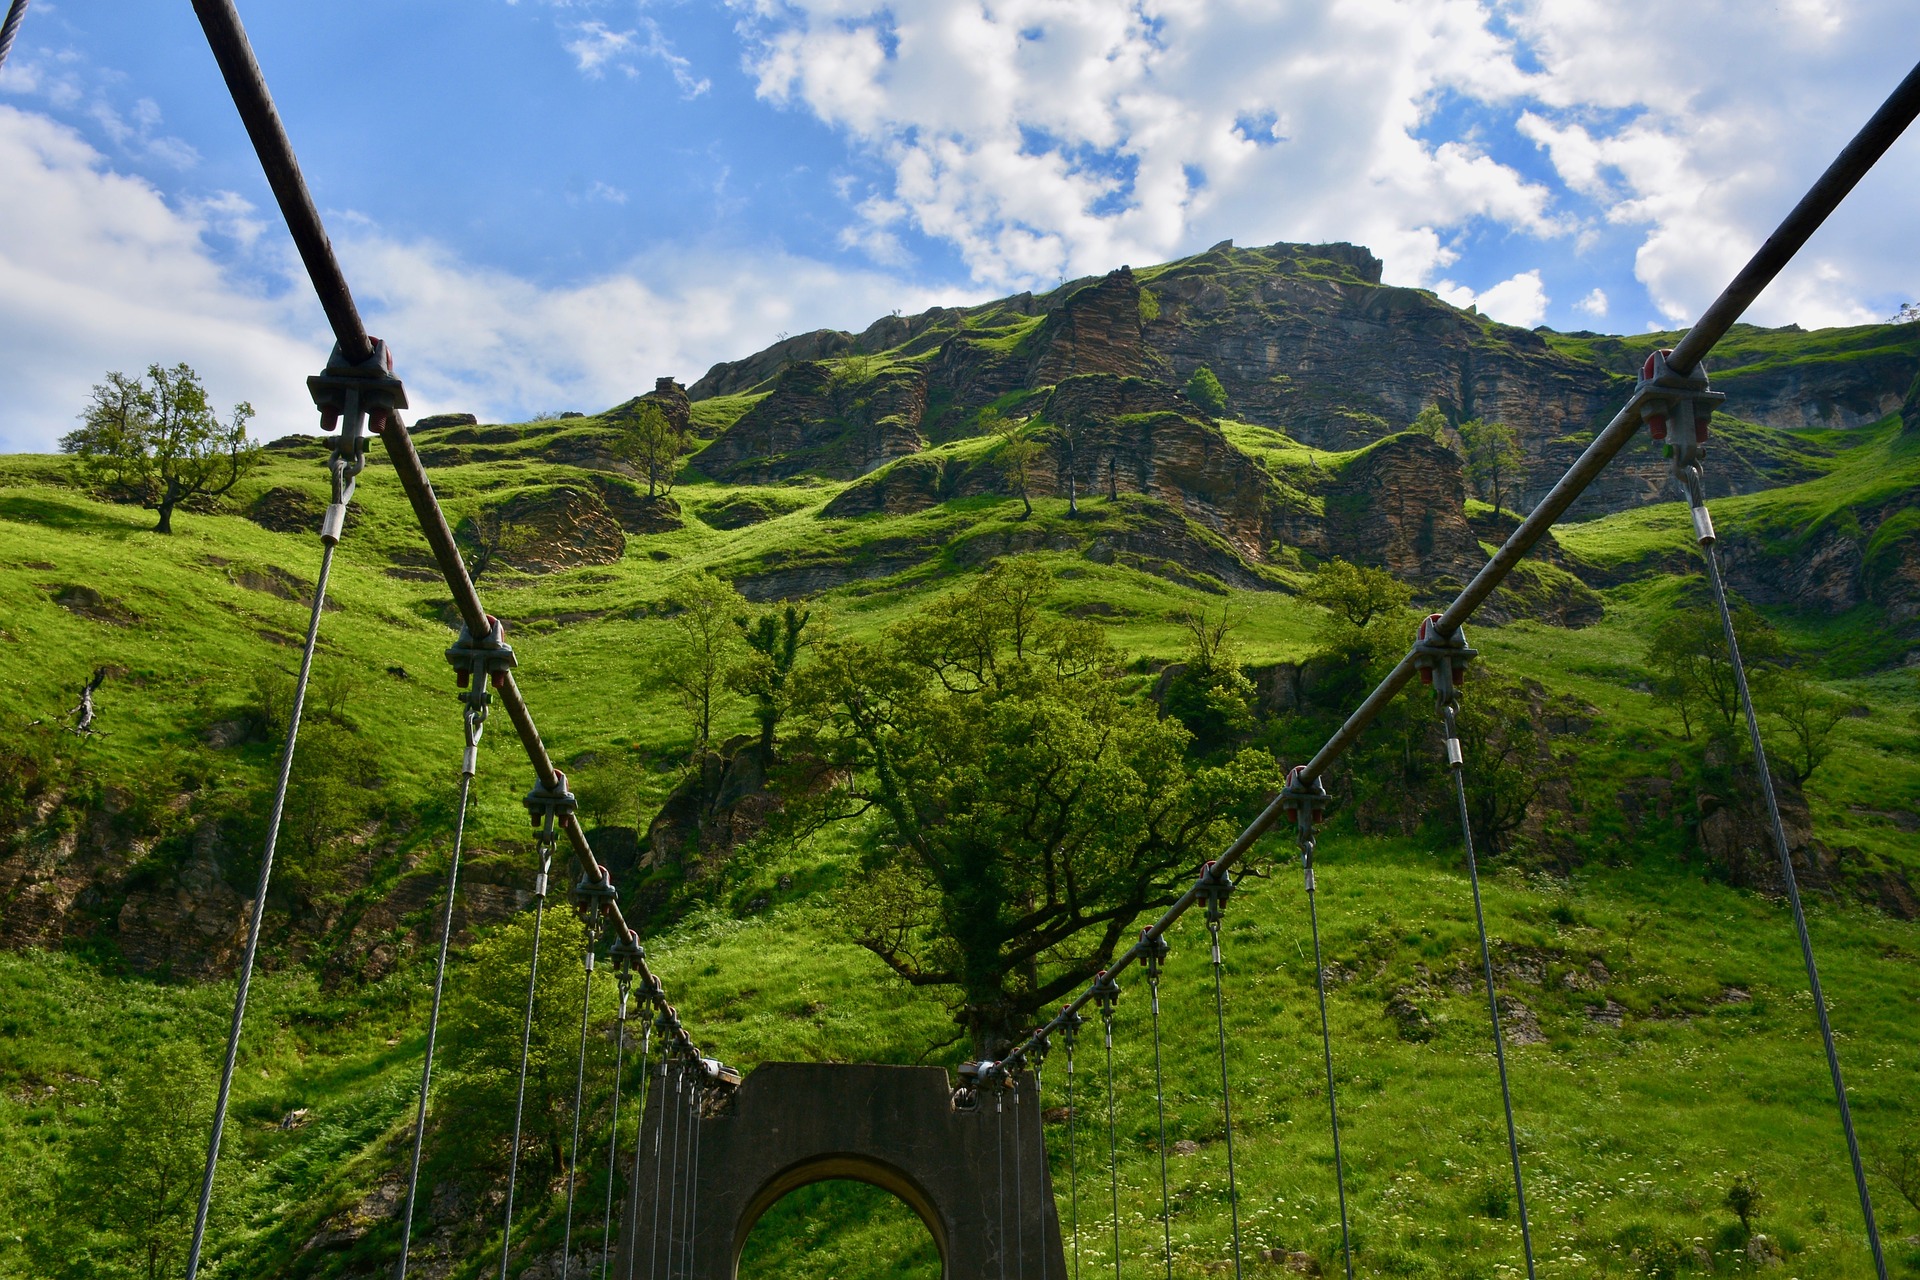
[
  {"x": 626, "y": 952},
  {"x": 594, "y": 893},
  {"x": 1213, "y": 888},
  {"x": 1678, "y": 412},
  {"x": 1106, "y": 992},
  {"x": 346, "y": 388},
  {"x": 549, "y": 806},
  {"x": 1069, "y": 1021},
  {"x": 1154, "y": 949},
  {"x": 1442, "y": 658}
]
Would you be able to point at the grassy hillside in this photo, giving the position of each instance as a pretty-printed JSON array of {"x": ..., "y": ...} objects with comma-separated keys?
[{"x": 1672, "y": 1043}]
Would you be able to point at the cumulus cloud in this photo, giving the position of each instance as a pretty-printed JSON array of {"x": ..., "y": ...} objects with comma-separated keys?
[
  {"x": 1594, "y": 304},
  {"x": 1057, "y": 137},
  {"x": 99, "y": 271},
  {"x": 1518, "y": 300}
]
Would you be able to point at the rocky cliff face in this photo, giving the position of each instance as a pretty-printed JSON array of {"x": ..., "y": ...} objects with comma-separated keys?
[{"x": 814, "y": 421}]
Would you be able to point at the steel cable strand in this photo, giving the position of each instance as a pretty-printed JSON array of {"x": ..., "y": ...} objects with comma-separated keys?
[
  {"x": 259, "y": 911},
  {"x": 1326, "y": 1049},
  {"x": 1216, "y": 898},
  {"x": 11, "y": 28},
  {"x": 1000, "y": 1169},
  {"x": 526, "y": 1047},
  {"x": 1040, "y": 1150},
  {"x": 632, "y": 1233},
  {"x": 693, "y": 1177},
  {"x": 1708, "y": 549},
  {"x": 1447, "y": 694},
  {"x": 1155, "y": 957},
  {"x": 613, "y": 1125},
  {"x": 472, "y": 722},
  {"x": 1109, "y": 995},
  {"x": 659, "y": 1167},
  {"x": 1069, "y": 1033},
  {"x": 1019, "y": 1193},
  {"x": 673, "y": 1186},
  {"x": 579, "y": 1088}
]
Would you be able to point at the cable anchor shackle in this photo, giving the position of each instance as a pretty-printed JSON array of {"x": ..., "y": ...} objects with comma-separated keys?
[
  {"x": 1678, "y": 412},
  {"x": 1305, "y": 801},
  {"x": 355, "y": 396}
]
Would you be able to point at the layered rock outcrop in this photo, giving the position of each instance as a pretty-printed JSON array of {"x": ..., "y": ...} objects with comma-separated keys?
[{"x": 814, "y": 421}]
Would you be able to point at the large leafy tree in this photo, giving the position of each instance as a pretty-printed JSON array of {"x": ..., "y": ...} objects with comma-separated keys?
[
  {"x": 1021, "y": 811},
  {"x": 651, "y": 444},
  {"x": 158, "y": 441},
  {"x": 1495, "y": 463}
]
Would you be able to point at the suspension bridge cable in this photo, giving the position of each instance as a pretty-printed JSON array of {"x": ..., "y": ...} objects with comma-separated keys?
[
  {"x": 625, "y": 980},
  {"x": 1441, "y": 658},
  {"x": 1019, "y": 1192},
  {"x": 632, "y": 1231},
  {"x": 1108, "y": 995},
  {"x": 1326, "y": 1049},
  {"x": 1703, "y": 524},
  {"x": 1040, "y": 1146},
  {"x": 579, "y": 1088},
  {"x": 526, "y": 1048},
  {"x": 673, "y": 1187},
  {"x": 659, "y": 1166},
  {"x": 693, "y": 1174},
  {"x": 11, "y": 28},
  {"x": 1222, "y": 885},
  {"x": 1070, "y": 1032},
  {"x": 1000, "y": 1176},
  {"x": 473, "y": 717},
  {"x": 1157, "y": 956},
  {"x": 348, "y": 455}
]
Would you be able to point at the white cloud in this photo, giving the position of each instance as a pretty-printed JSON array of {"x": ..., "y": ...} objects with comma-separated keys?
[
  {"x": 1050, "y": 137},
  {"x": 1518, "y": 300},
  {"x": 596, "y": 47},
  {"x": 1594, "y": 304},
  {"x": 98, "y": 271}
]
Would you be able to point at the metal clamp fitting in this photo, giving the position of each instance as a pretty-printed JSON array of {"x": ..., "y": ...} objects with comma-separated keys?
[
  {"x": 1441, "y": 659},
  {"x": 1678, "y": 412},
  {"x": 1105, "y": 992},
  {"x": 489, "y": 659},
  {"x": 347, "y": 387},
  {"x": 1154, "y": 949},
  {"x": 1069, "y": 1023},
  {"x": 1213, "y": 888},
  {"x": 593, "y": 894},
  {"x": 548, "y": 806},
  {"x": 626, "y": 953}
]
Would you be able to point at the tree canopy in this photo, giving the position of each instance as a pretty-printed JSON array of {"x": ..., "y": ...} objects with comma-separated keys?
[
  {"x": 1494, "y": 461},
  {"x": 1019, "y": 812},
  {"x": 158, "y": 442},
  {"x": 650, "y": 443}
]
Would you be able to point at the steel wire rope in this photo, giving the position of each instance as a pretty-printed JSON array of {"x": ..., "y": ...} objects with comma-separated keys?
[
  {"x": 1448, "y": 696},
  {"x": 1709, "y": 550},
  {"x": 1113, "y": 1142},
  {"x": 11, "y": 28},
  {"x": 1019, "y": 1192},
  {"x": 673, "y": 1186},
  {"x": 613, "y": 1125},
  {"x": 693, "y": 1176},
  {"x": 1215, "y": 901},
  {"x": 1073, "y": 1149},
  {"x": 632, "y": 1233},
  {"x": 579, "y": 1088},
  {"x": 1155, "y": 958},
  {"x": 1326, "y": 1049},
  {"x": 1000, "y": 1168},
  {"x": 659, "y": 1166},
  {"x": 1040, "y": 1150},
  {"x": 526, "y": 1048},
  {"x": 260, "y": 904},
  {"x": 474, "y": 719}
]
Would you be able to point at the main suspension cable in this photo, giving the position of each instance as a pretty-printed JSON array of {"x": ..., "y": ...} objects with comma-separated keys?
[
  {"x": 11, "y": 28},
  {"x": 348, "y": 456}
]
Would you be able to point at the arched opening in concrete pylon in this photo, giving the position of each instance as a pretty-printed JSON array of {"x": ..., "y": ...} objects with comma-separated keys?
[{"x": 840, "y": 1219}]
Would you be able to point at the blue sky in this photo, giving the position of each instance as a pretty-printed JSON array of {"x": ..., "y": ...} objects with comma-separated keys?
[{"x": 546, "y": 204}]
